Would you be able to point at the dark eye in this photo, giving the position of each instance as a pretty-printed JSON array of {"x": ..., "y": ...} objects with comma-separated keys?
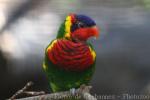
[{"x": 81, "y": 25}]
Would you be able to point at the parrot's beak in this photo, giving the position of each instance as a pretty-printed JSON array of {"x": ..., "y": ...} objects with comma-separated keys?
[{"x": 94, "y": 31}]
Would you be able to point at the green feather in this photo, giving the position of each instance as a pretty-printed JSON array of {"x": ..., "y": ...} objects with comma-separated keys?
[{"x": 61, "y": 31}]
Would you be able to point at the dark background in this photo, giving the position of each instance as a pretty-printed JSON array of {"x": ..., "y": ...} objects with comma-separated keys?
[{"x": 123, "y": 49}]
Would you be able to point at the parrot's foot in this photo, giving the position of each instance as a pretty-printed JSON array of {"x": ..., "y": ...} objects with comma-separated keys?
[
  {"x": 73, "y": 91},
  {"x": 84, "y": 88}
]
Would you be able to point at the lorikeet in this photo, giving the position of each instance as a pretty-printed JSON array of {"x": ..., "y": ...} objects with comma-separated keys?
[{"x": 69, "y": 59}]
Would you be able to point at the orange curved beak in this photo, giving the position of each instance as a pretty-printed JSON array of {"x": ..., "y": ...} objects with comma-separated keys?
[{"x": 94, "y": 31}]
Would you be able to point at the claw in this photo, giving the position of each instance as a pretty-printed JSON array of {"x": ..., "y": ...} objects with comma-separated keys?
[{"x": 73, "y": 91}]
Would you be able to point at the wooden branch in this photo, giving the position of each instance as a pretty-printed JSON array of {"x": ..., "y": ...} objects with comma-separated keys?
[
  {"x": 81, "y": 93},
  {"x": 24, "y": 91},
  {"x": 29, "y": 84}
]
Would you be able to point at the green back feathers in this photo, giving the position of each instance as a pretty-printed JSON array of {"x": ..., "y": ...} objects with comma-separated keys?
[
  {"x": 61, "y": 31},
  {"x": 65, "y": 28}
]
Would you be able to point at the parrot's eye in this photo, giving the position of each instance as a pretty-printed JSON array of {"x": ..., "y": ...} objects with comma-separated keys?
[{"x": 81, "y": 25}]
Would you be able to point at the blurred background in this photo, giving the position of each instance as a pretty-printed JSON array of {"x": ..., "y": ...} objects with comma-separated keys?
[{"x": 123, "y": 49}]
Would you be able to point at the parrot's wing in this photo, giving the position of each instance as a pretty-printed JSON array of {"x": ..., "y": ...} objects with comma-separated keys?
[{"x": 45, "y": 65}]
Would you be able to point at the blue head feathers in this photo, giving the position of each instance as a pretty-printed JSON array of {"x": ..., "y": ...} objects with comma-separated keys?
[
  {"x": 86, "y": 20},
  {"x": 82, "y": 21}
]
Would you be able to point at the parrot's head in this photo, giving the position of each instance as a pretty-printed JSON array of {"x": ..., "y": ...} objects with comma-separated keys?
[{"x": 80, "y": 27}]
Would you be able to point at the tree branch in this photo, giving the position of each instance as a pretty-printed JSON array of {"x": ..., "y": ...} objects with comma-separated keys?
[
  {"x": 29, "y": 84},
  {"x": 81, "y": 93},
  {"x": 24, "y": 91}
]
